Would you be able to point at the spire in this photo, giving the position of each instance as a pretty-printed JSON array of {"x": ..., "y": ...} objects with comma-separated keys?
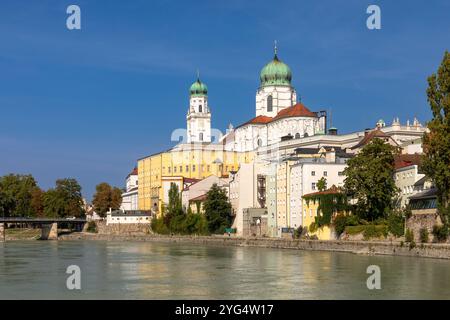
[
  {"x": 198, "y": 75},
  {"x": 275, "y": 50}
]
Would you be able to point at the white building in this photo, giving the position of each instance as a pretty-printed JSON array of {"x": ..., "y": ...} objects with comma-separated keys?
[
  {"x": 128, "y": 217},
  {"x": 406, "y": 177},
  {"x": 130, "y": 197}
]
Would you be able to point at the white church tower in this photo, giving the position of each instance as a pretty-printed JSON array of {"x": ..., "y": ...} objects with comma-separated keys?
[
  {"x": 275, "y": 92},
  {"x": 198, "y": 116}
]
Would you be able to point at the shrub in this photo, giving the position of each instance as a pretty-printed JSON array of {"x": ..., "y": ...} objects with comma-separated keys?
[
  {"x": 341, "y": 221},
  {"x": 158, "y": 226},
  {"x": 409, "y": 235},
  {"x": 412, "y": 245},
  {"x": 440, "y": 232},
  {"x": 424, "y": 235},
  {"x": 374, "y": 231},
  {"x": 92, "y": 227},
  {"x": 312, "y": 227},
  {"x": 396, "y": 224},
  {"x": 298, "y": 232}
]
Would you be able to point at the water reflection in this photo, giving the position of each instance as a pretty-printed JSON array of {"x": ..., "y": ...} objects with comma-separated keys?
[{"x": 140, "y": 270}]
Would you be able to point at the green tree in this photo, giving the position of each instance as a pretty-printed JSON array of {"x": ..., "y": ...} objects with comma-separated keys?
[
  {"x": 370, "y": 180},
  {"x": 217, "y": 210},
  {"x": 436, "y": 143},
  {"x": 106, "y": 197},
  {"x": 37, "y": 201},
  {"x": 16, "y": 195},
  {"x": 322, "y": 184},
  {"x": 65, "y": 200},
  {"x": 174, "y": 207}
]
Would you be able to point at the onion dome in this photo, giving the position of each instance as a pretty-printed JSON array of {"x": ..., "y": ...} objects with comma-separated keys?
[
  {"x": 275, "y": 72},
  {"x": 198, "y": 88}
]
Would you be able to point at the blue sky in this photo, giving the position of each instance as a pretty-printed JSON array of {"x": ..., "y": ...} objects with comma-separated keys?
[{"x": 87, "y": 103}]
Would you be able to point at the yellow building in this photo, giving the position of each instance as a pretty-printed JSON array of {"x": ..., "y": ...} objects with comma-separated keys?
[
  {"x": 194, "y": 161},
  {"x": 311, "y": 210}
]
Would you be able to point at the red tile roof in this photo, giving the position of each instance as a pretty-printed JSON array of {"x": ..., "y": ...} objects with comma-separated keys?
[
  {"x": 258, "y": 120},
  {"x": 298, "y": 110},
  {"x": 406, "y": 160},
  {"x": 332, "y": 190},
  {"x": 134, "y": 172}
]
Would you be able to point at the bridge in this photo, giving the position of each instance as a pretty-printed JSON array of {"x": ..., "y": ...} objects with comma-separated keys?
[{"x": 49, "y": 226}]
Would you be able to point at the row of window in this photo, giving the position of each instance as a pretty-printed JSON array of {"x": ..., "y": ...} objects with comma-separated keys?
[
  {"x": 203, "y": 168},
  {"x": 325, "y": 173}
]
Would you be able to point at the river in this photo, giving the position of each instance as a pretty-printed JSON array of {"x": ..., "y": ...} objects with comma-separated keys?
[{"x": 143, "y": 270}]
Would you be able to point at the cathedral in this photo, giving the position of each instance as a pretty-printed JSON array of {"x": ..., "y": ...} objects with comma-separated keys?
[{"x": 278, "y": 113}]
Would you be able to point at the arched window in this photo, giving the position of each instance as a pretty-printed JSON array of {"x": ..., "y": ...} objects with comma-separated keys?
[
  {"x": 269, "y": 103},
  {"x": 306, "y": 134},
  {"x": 259, "y": 142},
  {"x": 200, "y": 108},
  {"x": 297, "y": 135},
  {"x": 200, "y": 136}
]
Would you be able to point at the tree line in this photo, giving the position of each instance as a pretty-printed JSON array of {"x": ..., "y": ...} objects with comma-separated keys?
[{"x": 20, "y": 196}]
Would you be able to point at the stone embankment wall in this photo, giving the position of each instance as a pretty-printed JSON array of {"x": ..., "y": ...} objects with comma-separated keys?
[
  {"x": 128, "y": 229},
  {"x": 419, "y": 221},
  {"x": 359, "y": 247}
]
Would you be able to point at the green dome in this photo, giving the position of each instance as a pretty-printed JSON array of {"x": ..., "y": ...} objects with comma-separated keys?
[
  {"x": 198, "y": 88},
  {"x": 275, "y": 72}
]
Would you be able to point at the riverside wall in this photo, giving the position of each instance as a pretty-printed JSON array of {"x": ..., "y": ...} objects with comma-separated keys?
[{"x": 429, "y": 250}]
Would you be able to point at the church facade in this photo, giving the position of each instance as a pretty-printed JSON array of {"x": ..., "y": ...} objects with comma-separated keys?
[{"x": 278, "y": 114}]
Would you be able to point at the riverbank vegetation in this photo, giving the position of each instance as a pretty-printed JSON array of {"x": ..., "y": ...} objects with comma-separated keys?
[
  {"x": 178, "y": 220},
  {"x": 106, "y": 197},
  {"x": 436, "y": 142},
  {"x": 20, "y": 196},
  {"x": 365, "y": 205}
]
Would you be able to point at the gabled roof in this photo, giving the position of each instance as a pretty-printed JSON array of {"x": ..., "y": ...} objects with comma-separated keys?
[
  {"x": 377, "y": 133},
  {"x": 298, "y": 110}
]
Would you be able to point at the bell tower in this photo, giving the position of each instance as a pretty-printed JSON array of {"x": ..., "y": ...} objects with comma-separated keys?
[{"x": 199, "y": 116}]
